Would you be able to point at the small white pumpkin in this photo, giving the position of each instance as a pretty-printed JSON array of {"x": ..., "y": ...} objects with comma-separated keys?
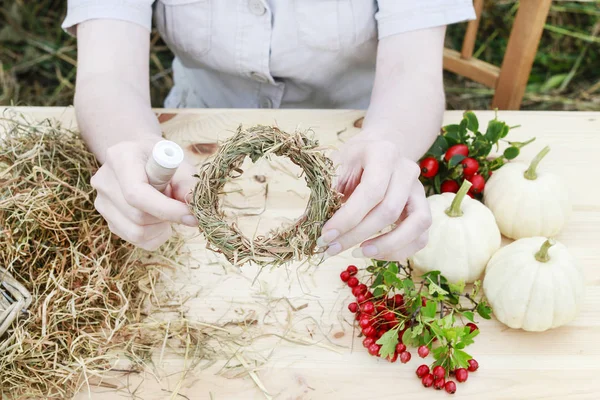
[
  {"x": 527, "y": 202},
  {"x": 534, "y": 284},
  {"x": 462, "y": 237}
]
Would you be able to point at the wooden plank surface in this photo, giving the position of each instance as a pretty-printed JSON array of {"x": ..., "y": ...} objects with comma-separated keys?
[{"x": 558, "y": 364}]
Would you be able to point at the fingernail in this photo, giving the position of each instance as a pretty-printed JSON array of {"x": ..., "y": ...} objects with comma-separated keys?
[
  {"x": 333, "y": 249},
  {"x": 189, "y": 220},
  {"x": 365, "y": 252},
  {"x": 327, "y": 237}
]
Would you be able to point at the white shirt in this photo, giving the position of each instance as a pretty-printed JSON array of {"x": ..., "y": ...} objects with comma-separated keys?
[{"x": 273, "y": 53}]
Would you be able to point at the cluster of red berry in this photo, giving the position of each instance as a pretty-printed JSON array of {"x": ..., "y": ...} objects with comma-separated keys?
[
  {"x": 376, "y": 316},
  {"x": 470, "y": 168}
]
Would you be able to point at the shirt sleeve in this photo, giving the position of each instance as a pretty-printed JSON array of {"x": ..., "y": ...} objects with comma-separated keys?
[
  {"x": 398, "y": 16},
  {"x": 137, "y": 11}
]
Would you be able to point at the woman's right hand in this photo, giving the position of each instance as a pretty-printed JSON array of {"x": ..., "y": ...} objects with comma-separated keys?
[{"x": 134, "y": 210}]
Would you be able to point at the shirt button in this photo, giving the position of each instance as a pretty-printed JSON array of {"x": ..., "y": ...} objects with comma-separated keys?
[
  {"x": 258, "y": 77},
  {"x": 265, "y": 102},
  {"x": 256, "y": 7}
]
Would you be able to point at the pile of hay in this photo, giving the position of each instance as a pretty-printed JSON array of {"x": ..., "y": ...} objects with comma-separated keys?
[{"x": 87, "y": 289}]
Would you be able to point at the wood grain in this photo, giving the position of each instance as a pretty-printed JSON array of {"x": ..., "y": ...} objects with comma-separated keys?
[
  {"x": 472, "y": 68},
  {"x": 471, "y": 32},
  {"x": 558, "y": 364}
]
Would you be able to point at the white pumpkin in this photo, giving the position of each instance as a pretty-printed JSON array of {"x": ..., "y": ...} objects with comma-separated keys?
[
  {"x": 534, "y": 284},
  {"x": 527, "y": 202},
  {"x": 462, "y": 237}
]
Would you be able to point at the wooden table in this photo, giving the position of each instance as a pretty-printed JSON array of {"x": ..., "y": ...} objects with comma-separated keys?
[{"x": 558, "y": 364}]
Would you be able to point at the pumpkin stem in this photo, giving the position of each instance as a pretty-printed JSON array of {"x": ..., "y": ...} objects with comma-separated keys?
[
  {"x": 531, "y": 171},
  {"x": 454, "y": 209},
  {"x": 542, "y": 254}
]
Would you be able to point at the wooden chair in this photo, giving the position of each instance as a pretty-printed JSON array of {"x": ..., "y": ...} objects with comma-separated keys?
[{"x": 510, "y": 79}]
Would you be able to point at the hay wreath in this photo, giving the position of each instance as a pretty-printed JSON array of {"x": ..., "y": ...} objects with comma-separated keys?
[{"x": 294, "y": 242}]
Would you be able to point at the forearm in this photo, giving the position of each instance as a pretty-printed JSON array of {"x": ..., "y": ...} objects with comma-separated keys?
[
  {"x": 110, "y": 111},
  {"x": 407, "y": 103}
]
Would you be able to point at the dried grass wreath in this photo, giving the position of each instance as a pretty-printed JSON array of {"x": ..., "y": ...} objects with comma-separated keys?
[{"x": 281, "y": 246}]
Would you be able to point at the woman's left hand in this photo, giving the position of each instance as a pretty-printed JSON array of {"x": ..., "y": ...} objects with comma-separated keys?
[{"x": 381, "y": 188}]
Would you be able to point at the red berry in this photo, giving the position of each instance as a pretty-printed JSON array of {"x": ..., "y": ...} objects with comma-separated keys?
[
  {"x": 422, "y": 370},
  {"x": 344, "y": 276},
  {"x": 368, "y": 341},
  {"x": 379, "y": 333},
  {"x": 369, "y": 331},
  {"x": 439, "y": 372},
  {"x": 364, "y": 321},
  {"x": 478, "y": 183},
  {"x": 357, "y": 315},
  {"x": 404, "y": 357},
  {"x": 353, "y": 307},
  {"x": 380, "y": 306},
  {"x": 398, "y": 300},
  {"x": 423, "y": 351},
  {"x": 355, "y": 291},
  {"x": 473, "y": 365},
  {"x": 352, "y": 282},
  {"x": 361, "y": 298},
  {"x": 427, "y": 380},
  {"x": 449, "y": 186},
  {"x": 429, "y": 167},
  {"x": 461, "y": 374},
  {"x": 439, "y": 383},
  {"x": 368, "y": 296},
  {"x": 352, "y": 270},
  {"x": 374, "y": 349},
  {"x": 423, "y": 301},
  {"x": 400, "y": 348},
  {"x": 393, "y": 358},
  {"x": 450, "y": 387},
  {"x": 472, "y": 327},
  {"x": 389, "y": 316},
  {"x": 457, "y": 149},
  {"x": 367, "y": 308},
  {"x": 470, "y": 166},
  {"x": 362, "y": 288}
]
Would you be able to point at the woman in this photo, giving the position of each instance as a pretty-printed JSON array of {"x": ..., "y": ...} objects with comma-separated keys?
[{"x": 384, "y": 56}]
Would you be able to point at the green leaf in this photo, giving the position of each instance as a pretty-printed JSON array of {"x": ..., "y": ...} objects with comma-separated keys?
[
  {"x": 461, "y": 358},
  {"x": 553, "y": 82},
  {"x": 437, "y": 330},
  {"x": 452, "y": 128},
  {"x": 416, "y": 331},
  {"x": 437, "y": 184},
  {"x": 447, "y": 321},
  {"x": 388, "y": 343},
  {"x": 511, "y": 153},
  {"x": 408, "y": 285},
  {"x": 484, "y": 310},
  {"x": 434, "y": 288},
  {"x": 429, "y": 310},
  {"x": 460, "y": 345},
  {"x": 391, "y": 279},
  {"x": 408, "y": 339},
  {"x": 494, "y": 130},
  {"x": 456, "y": 287},
  {"x": 505, "y": 131},
  {"x": 378, "y": 281},
  {"x": 378, "y": 292},
  {"x": 472, "y": 123},
  {"x": 455, "y": 160},
  {"x": 439, "y": 352},
  {"x": 439, "y": 147},
  {"x": 469, "y": 315}
]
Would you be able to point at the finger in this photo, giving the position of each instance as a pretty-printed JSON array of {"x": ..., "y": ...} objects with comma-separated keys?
[
  {"x": 108, "y": 190},
  {"x": 414, "y": 226},
  {"x": 384, "y": 214},
  {"x": 131, "y": 175},
  {"x": 183, "y": 183},
  {"x": 128, "y": 230},
  {"x": 369, "y": 192},
  {"x": 407, "y": 251},
  {"x": 158, "y": 241}
]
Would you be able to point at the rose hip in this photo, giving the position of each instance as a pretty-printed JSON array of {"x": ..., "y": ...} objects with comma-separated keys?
[
  {"x": 472, "y": 327},
  {"x": 368, "y": 341},
  {"x": 367, "y": 308},
  {"x": 355, "y": 291},
  {"x": 389, "y": 316},
  {"x": 362, "y": 288},
  {"x": 352, "y": 270},
  {"x": 439, "y": 372},
  {"x": 439, "y": 383},
  {"x": 422, "y": 370},
  {"x": 393, "y": 358},
  {"x": 344, "y": 276},
  {"x": 374, "y": 349},
  {"x": 404, "y": 357},
  {"x": 461, "y": 375},
  {"x": 400, "y": 348},
  {"x": 364, "y": 321},
  {"x": 352, "y": 282},
  {"x": 470, "y": 166},
  {"x": 361, "y": 298},
  {"x": 369, "y": 331},
  {"x": 449, "y": 186},
  {"x": 353, "y": 307},
  {"x": 427, "y": 380},
  {"x": 473, "y": 365},
  {"x": 450, "y": 387},
  {"x": 423, "y": 351}
]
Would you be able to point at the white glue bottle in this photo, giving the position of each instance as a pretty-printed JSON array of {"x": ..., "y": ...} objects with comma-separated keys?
[{"x": 163, "y": 163}]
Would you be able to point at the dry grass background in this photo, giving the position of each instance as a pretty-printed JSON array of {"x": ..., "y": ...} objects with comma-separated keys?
[{"x": 38, "y": 59}]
